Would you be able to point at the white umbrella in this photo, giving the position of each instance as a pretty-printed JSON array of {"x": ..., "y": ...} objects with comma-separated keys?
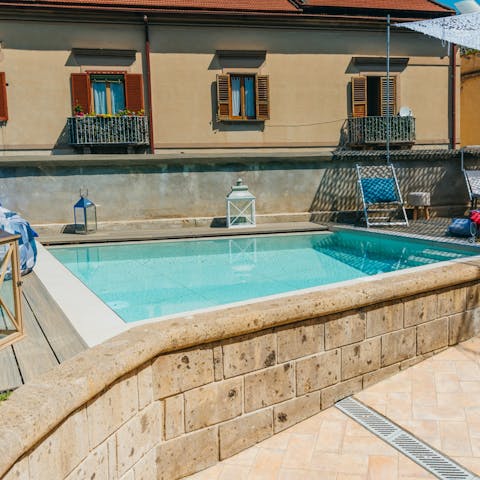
[{"x": 461, "y": 30}]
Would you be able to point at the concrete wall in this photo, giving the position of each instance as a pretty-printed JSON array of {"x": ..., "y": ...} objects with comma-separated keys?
[
  {"x": 165, "y": 188},
  {"x": 470, "y": 99},
  {"x": 169, "y": 399},
  {"x": 309, "y": 71}
]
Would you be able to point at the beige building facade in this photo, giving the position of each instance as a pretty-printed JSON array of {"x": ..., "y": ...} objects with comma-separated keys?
[
  {"x": 470, "y": 99},
  {"x": 308, "y": 69}
]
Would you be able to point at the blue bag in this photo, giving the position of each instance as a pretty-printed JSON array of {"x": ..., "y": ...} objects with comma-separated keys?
[{"x": 462, "y": 227}]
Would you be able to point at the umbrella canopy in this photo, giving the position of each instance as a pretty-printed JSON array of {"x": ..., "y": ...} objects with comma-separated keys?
[{"x": 462, "y": 30}]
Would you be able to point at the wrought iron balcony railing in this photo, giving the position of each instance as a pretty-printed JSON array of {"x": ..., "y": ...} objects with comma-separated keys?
[
  {"x": 373, "y": 130},
  {"x": 123, "y": 130}
]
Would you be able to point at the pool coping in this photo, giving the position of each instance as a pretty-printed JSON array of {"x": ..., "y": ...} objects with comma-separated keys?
[{"x": 41, "y": 405}]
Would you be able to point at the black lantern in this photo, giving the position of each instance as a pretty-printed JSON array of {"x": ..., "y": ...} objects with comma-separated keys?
[{"x": 85, "y": 215}]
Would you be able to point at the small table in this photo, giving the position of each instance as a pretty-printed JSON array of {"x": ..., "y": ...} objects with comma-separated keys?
[{"x": 420, "y": 200}]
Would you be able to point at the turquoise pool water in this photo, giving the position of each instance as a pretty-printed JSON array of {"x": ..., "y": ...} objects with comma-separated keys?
[{"x": 147, "y": 280}]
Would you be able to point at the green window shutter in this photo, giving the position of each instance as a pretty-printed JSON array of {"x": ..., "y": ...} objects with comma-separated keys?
[
  {"x": 223, "y": 97},
  {"x": 359, "y": 96},
  {"x": 262, "y": 97}
]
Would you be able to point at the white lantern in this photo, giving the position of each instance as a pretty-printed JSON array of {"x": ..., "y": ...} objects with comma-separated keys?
[{"x": 240, "y": 206}]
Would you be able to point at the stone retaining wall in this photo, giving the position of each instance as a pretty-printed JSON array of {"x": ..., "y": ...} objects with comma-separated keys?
[{"x": 169, "y": 399}]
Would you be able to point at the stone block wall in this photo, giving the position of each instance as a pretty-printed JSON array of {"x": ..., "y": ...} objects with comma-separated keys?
[{"x": 184, "y": 410}]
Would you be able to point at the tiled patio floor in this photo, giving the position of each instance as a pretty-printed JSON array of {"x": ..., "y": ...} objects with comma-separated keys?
[{"x": 437, "y": 400}]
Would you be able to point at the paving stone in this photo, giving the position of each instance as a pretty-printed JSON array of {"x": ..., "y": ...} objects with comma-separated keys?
[
  {"x": 451, "y": 301},
  {"x": 384, "y": 319},
  {"x": 378, "y": 375},
  {"x": 145, "y": 386},
  {"x": 213, "y": 403},
  {"x": 218, "y": 363},
  {"x": 361, "y": 358},
  {"x": 112, "y": 457},
  {"x": 266, "y": 387},
  {"x": 304, "y": 339},
  {"x": 19, "y": 471},
  {"x": 473, "y": 296},
  {"x": 178, "y": 372},
  {"x": 420, "y": 309},
  {"x": 138, "y": 436},
  {"x": 62, "y": 451},
  {"x": 146, "y": 467},
  {"x": 174, "y": 416},
  {"x": 294, "y": 411},
  {"x": 432, "y": 335},
  {"x": 187, "y": 454},
  {"x": 95, "y": 466},
  {"x": 398, "y": 346},
  {"x": 341, "y": 390},
  {"x": 318, "y": 371},
  {"x": 344, "y": 329},
  {"x": 463, "y": 326},
  {"x": 252, "y": 352},
  {"x": 111, "y": 409},
  {"x": 244, "y": 432}
]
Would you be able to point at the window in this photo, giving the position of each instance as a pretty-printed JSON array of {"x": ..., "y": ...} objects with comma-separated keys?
[
  {"x": 3, "y": 98},
  {"x": 369, "y": 96},
  {"x": 108, "y": 93},
  {"x": 105, "y": 93},
  {"x": 242, "y": 97}
]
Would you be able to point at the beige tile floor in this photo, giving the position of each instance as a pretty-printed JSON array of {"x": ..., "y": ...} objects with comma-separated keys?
[{"x": 437, "y": 400}]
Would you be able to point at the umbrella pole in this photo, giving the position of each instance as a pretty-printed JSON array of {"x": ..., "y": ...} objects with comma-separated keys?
[{"x": 388, "y": 89}]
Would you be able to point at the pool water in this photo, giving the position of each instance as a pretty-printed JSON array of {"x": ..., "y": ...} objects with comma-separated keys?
[{"x": 148, "y": 280}]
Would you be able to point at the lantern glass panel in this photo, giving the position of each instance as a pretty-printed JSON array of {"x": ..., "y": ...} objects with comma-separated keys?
[
  {"x": 80, "y": 220},
  {"x": 91, "y": 219}
]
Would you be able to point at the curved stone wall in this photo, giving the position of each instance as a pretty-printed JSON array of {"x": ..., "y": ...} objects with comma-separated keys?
[{"x": 168, "y": 399}]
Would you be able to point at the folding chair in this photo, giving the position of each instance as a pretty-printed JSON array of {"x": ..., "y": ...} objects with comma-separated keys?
[
  {"x": 472, "y": 179},
  {"x": 381, "y": 197}
]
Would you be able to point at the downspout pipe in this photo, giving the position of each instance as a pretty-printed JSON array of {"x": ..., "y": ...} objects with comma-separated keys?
[
  {"x": 149, "y": 83},
  {"x": 453, "y": 95}
]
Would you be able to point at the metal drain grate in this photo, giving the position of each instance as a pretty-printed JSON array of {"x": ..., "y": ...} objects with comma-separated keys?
[{"x": 432, "y": 460}]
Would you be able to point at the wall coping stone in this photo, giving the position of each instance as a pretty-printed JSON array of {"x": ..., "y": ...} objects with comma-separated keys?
[{"x": 38, "y": 407}]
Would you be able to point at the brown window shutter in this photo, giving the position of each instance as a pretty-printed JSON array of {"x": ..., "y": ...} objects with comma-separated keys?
[
  {"x": 134, "y": 92},
  {"x": 359, "y": 96},
  {"x": 223, "y": 97},
  {"x": 392, "y": 95},
  {"x": 263, "y": 97},
  {"x": 3, "y": 98},
  {"x": 81, "y": 92}
]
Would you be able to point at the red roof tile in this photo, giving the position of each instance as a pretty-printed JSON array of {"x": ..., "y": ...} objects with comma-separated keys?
[
  {"x": 408, "y": 5},
  {"x": 223, "y": 5}
]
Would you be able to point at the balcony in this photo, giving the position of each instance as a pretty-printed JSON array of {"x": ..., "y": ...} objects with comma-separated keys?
[
  {"x": 100, "y": 131},
  {"x": 372, "y": 131}
]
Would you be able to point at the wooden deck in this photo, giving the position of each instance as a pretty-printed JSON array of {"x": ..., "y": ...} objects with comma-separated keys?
[{"x": 49, "y": 338}]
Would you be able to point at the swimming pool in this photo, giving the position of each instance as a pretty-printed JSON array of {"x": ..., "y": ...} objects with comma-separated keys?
[{"x": 149, "y": 280}]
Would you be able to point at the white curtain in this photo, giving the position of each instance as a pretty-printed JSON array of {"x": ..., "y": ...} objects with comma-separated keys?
[
  {"x": 100, "y": 97},
  {"x": 236, "y": 104},
  {"x": 249, "y": 96},
  {"x": 118, "y": 97}
]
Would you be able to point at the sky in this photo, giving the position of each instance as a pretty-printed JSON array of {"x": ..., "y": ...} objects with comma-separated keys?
[{"x": 449, "y": 3}]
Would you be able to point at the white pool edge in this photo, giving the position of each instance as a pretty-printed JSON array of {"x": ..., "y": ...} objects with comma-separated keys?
[{"x": 94, "y": 321}]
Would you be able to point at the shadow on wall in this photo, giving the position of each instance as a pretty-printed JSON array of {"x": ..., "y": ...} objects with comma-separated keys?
[{"x": 337, "y": 196}]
